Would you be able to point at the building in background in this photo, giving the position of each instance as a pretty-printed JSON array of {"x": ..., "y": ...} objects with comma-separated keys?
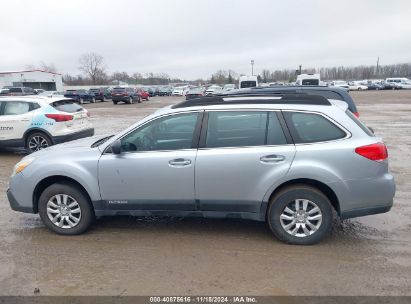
[{"x": 34, "y": 79}]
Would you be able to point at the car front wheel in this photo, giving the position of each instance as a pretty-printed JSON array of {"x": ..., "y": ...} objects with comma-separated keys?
[
  {"x": 300, "y": 215},
  {"x": 65, "y": 209}
]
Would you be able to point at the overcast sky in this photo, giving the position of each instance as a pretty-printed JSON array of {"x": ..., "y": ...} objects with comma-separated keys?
[{"x": 194, "y": 38}]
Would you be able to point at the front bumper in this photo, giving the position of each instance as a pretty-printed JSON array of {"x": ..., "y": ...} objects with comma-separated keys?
[
  {"x": 14, "y": 204},
  {"x": 73, "y": 136}
]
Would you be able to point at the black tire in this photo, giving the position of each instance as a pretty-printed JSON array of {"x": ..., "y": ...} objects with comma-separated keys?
[
  {"x": 287, "y": 196},
  {"x": 41, "y": 138},
  {"x": 115, "y": 102},
  {"x": 87, "y": 212}
]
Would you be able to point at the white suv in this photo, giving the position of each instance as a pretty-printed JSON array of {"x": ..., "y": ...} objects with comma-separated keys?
[{"x": 39, "y": 122}]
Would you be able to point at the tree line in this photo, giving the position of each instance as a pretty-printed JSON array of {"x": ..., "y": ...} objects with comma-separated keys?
[{"x": 94, "y": 72}]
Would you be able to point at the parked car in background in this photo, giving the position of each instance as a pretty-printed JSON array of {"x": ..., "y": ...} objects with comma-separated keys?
[
  {"x": 126, "y": 95},
  {"x": 153, "y": 91},
  {"x": 352, "y": 86},
  {"x": 101, "y": 94},
  {"x": 52, "y": 94},
  {"x": 165, "y": 91},
  {"x": 393, "y": 82},
  {"x": 39, "y": 91},
  {"x": 80, "y": 95},
  {"x": 180, "y": 91},
  {"x": 213, "y": 90},
  {"x": 20, "y": 91},
  {"x": 144, "y": 95},
  {"x": 194, "y": 93},
  {"x": 248, "y": 82},
  {"x": 340, "y": 84},
  {"x": 326, "y": 92},
  {"x": 303, "y": 158},
  {"x": 4, "y": 92},
  {"x": 374, "y": 86},
  {"x": 403, "y": 85},
  {"x": 228, "y": 87},
  {"x": 36, "y": 122}
]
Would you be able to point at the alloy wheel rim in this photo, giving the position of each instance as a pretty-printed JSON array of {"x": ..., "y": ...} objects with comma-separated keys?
[
  {"x": 37, "y": 143},
  {"x": 301, "y": 218},
  {"x": 63, "y": 211}
]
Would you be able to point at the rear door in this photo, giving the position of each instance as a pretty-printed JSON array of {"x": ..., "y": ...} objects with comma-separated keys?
[{"x": 241, "y": 155}]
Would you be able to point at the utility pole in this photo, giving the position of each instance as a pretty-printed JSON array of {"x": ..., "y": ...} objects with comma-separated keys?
[
  {"x": 378, "y": 64},
  {"x": 300, "y": 67},
  {"x": 252, "y": 67}
]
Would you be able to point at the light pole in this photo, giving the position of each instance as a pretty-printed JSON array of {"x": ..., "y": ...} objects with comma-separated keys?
[{"x": 252, "y": 67}]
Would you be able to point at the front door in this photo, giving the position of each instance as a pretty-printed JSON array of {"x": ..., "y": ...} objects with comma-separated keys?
[
  {"x": 155, "y": 170},
  {"x": 15, "y": 119}
]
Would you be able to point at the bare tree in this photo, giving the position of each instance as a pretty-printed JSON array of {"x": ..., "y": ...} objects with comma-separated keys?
[
  {"x": 92, "y": 65},
  {"x": 43, "y": 66}
]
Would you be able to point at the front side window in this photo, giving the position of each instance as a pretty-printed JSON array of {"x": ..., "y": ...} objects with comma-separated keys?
[
  {"x": 309, "y": 128},
  {"x": 168, "y": 133},
  {"x": 16, "y": 108},
  {"x": 241, "y": 129}
]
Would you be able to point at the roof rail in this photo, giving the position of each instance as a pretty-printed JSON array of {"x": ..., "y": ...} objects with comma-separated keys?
[{"x": 281, "y": 98}]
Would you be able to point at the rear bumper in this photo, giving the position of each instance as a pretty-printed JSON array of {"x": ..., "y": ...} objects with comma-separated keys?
[
  {"x": 365, "y": 211},
  {"x": 15, "y": 205},
  {"x": 73, "y": 136}
]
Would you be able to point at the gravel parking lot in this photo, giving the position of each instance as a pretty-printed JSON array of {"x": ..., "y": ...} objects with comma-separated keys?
[{"x": 173, "y": 256}]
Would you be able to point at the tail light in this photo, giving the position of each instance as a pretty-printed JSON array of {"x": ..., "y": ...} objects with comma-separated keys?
[
  {"x": 377, "y": 152},
  {"x": 356, "y": 114},
  {"x": 60, "y": 117}
]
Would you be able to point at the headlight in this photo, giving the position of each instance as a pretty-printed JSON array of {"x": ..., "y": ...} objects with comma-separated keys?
[{"x": 20, "y": 166}]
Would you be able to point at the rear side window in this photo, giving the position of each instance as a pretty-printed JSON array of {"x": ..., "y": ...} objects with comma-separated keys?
[
  {"x": 359, "y": 123},
  {"x": 67, "y": 106},
  {"x": 16, "y": 90},
  {"x": 241, "y": 129},
  {"x": 16, "y": 107},
  {"x": 309, "y": 128}
]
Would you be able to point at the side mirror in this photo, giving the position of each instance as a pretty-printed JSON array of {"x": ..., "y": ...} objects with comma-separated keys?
[{"x": 116, "y": 147}]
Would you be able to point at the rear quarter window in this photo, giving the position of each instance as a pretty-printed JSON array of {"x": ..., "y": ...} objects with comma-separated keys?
[
  {"x": 359, "y": 123},
  {"x": 311, "y": 127}
]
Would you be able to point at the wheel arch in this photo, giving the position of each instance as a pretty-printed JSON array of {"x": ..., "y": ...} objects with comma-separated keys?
[
  {"x": 325, "y": 189},
  {"x": 30, "y": 131},
  {"x": 50, "y": 180}
]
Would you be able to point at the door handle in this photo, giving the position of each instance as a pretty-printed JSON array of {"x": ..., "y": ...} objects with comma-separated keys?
[
  {"x": 179, "y": 162},
  {"x": 272, "y": 158}
]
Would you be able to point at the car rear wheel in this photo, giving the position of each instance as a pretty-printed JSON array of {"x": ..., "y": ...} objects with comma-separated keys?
[
  {"x": 115, "y": 102},
  {"x": 37, "y": 141},
  {"x": 65, "y": 209},
  {"x": 300, "y": 215}
]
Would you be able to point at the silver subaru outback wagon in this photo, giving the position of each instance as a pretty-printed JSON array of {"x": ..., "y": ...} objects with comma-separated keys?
[{"x": 289, "y": 160}]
